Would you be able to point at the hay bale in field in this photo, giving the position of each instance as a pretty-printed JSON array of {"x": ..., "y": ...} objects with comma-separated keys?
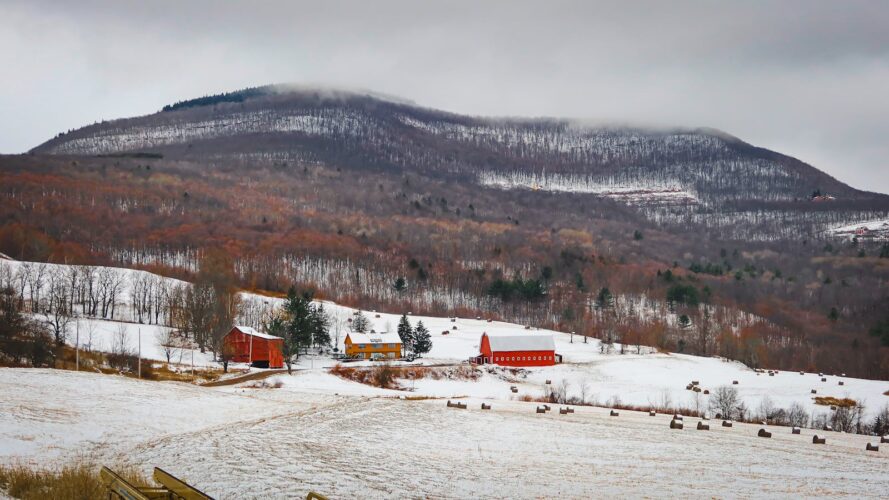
[
  {"x": 541, "y": 410},
  {"x": 695, "y": 382},
  {"x": 486, "y": 407},
  {"x": 842, "y": 374},
  {"x": 764, "y": 433},
  {"x": 676, "y": 424},
  {"x": 462, "y": 406},
  {"x": 872, "y": 447},
  {"x": 824, "y": 379},
  {"x": 802, "y": 373},
  {"x": 652, "y": 413},
  {"x": 689, "y": 387},
  {"x": 696, "y": 389},
  {"x": 376, "y": 316},
  {"x": 703, "y": 426},
  {"x": 546, "y": 407},
  {"x": 450, "y": 404},
  {"x": 490, "y": 320},
  {"x": 734, "y": 382},
  {"x": 841, "y": 382},
  {"x": 570, "y": 410},
  {"x": 455, "y": 327},
  {"x": 816, "y": 439},
  {"x": 563, "y": 411},
  {"x": 478, "y": 318},
  {"x": 771, "y": 374},
  {"x": 884, "y": 439},
  {"x": 706, "y": 391},
  {"x": 814, "y": 391},
  {"x": 614, "y": 413},
  {"x": 453, "y": 320},
  {"x": 677, "y": 416},
  {"x": 514, "y": 389},
  {"x": 820, "y": 374},
  {"x": 548, "y": 381},
  {"x": 796, "y": 430},
  {"x": 828, "y": 427},
  {"x": 726, "y": 423}
]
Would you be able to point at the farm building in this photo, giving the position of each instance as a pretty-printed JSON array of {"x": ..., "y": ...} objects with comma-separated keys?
[
  {"x": 373, "y": 345},
  {"x": 250, "y": 346},
  {"x": 517, "y": 350}
]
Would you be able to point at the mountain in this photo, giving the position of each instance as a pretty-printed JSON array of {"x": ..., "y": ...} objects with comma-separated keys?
[
  {"x": 690, "y": 240},
  {"x": 275, "y": 124}
]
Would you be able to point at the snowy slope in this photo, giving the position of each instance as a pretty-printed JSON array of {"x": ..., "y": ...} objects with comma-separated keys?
[{"x": 261, "y": 443}]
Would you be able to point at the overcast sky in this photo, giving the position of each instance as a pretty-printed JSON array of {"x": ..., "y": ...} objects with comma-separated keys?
[{"x": 806, "y": 78}]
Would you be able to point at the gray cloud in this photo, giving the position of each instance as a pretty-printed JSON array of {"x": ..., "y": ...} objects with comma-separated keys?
[{"x": 807, "y": 78}]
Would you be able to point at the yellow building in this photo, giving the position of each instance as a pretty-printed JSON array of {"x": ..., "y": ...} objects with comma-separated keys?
[{"x": 373, "y": 345}]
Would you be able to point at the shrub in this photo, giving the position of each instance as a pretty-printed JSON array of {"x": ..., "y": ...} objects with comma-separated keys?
[{"x": 77, "y": 481}]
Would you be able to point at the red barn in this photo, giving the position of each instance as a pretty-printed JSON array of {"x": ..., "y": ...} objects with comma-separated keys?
[
  {"x": 250, "y": 346},
  {"x": 518, "y": 350}
]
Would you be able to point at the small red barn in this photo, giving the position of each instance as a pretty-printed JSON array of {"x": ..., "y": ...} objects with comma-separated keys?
[
  {"x": 247, "y": 345},
  {"x": 518, "y": 350}
]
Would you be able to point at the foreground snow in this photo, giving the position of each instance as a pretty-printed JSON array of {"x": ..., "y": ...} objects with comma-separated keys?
[{"x": 270, "y": 443}]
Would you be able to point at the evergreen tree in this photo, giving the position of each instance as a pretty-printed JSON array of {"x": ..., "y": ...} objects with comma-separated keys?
[
  {"x": 400, "y": 284},
  {"x": 406, "y": 333},
  {"x": 320, "y": 326},
  {"x": 422, "y": 339},
  {"x": 360, "y": 323},
  {"x": 299, "y": 325}
]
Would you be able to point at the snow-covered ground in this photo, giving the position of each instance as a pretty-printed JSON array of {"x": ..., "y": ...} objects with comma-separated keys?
[
  {"x": 635, "y": 379},
  {"x": 877, "y": 229},
  {"x": 237, "y": 442}
]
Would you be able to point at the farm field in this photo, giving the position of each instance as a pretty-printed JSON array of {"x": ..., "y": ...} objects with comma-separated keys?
[{"x": 239, "y": 442}]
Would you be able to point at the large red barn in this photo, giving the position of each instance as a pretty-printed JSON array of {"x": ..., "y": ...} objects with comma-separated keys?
[
  {"x": 517, "y": 350},
  {"x": 250, "y": 346}
]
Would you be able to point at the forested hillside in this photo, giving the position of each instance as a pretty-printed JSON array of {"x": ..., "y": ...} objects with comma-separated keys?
[{"x": 687, "y": 240}]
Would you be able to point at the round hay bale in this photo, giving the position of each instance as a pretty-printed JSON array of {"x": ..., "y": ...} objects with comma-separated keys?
[
  {"x": 706, "y": 391},
  {"x": 726, "y": 423},
  {"x": 816, "y": 439},
  {"x": 814, "y": 391},
  {"x": 454, "y": 328},
  {"x": 771, "y": 374},
  {"x": 734, "y": 382},
  {"x": 841, "y": 382},
  {"x": 695, "y": 382},
  {"x": 548, "y": 381},
  {"x": 540, "y": 410},
  {"x": 376, "y": 316},
  {"x": 872, "y": 447},
  {"x": 796, "y": 430},
  {"x": 478, "y": 318},
  {"x": 652, "y": 413},
  {"x": 824, "y": 379},
  {"x": 676, "y": 424},
  {"x": 450, "y": 404},
  {"x": 614, "y": 413},
  {"x": 703, "y": 427},
  {"x": 802, "y": 373},
  {"x": 546, "y": 407},
  {"x": 884, "y": 439},
  {"x": 677, "y": 416},
  {"x": 563, "y": 411},
  {"x": 696, "y": 389},
  {"x": 453, "y": 320},
  {"x": 764, "y": 433},
  {"x": 486, "y": 406},
  {"x": 718, "y": 416},
  {"x": 490, "y": 320},
  {"x": 842, "y": 374}
]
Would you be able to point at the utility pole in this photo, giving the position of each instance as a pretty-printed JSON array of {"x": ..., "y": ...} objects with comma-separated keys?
[{"x": 139, "y": 335}]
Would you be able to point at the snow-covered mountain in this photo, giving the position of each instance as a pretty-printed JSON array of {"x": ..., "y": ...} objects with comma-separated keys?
[{"x": 283, "y": 125}]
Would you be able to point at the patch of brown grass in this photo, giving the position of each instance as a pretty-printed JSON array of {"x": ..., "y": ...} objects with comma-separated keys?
[
  {"x": 832, "y": 401},
  {"x": 886, "y": 393},
  {"x": 77, "y": 481}
]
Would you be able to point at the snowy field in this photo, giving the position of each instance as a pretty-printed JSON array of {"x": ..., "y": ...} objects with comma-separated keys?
[
  {"x": 634, "y": 379},
  {"x": 263, "y": 443}
]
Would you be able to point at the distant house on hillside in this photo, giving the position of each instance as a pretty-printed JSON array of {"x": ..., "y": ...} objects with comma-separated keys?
[
  {"x": 373, "y": 345},
  {"x": 246, "y": 345},
  {"x": 517, "y": 350}
]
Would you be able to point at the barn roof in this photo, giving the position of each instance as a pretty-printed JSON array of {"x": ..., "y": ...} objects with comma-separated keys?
[
  {"x": 246, "y": 330},
  {"x": 374, "y": 338},
  {"x": 529, "y": 342}
]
